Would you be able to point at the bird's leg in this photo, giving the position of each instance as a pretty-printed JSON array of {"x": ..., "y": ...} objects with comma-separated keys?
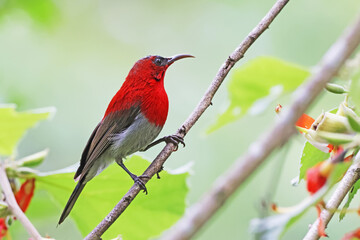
[
  {"x": 174, "y": 139},
  {"x": 137, "y": 179}
]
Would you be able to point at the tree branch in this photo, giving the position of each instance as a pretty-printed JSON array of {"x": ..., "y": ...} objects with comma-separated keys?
[
  {"x": 226, "y": 185},
  {"x": 204, "y": 103},
  {"x": 14, "y": 207},
  {"x": 346, "y": 183}
]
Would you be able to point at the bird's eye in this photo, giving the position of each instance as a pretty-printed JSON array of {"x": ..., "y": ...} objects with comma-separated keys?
[{"x": 158, "y": 61}]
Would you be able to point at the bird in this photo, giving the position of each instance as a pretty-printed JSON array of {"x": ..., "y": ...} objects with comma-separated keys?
[{"x": 133, "y": 119}]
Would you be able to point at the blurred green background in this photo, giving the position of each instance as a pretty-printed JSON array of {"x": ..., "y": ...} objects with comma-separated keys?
[{"x": 74, "y": 55}]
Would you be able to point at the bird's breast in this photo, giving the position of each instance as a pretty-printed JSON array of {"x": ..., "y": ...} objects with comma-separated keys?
[{"x": 155, "y": 106}]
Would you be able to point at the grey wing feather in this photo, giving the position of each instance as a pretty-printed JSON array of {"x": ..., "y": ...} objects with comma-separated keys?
[
  {"x": 100, "y": 139},
  {"x": 85, "y": 152}
]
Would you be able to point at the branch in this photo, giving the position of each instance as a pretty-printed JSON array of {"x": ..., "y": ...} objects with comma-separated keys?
[
  {"x": 14, "y": 207},
  {"x": 346, "y": 183},
  {"x": 226, "y": 185},
  {"x": 204, "y": 103}
]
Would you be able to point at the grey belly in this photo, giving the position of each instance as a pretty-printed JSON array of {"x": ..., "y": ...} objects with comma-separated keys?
[{"x": 136, "y": 137}]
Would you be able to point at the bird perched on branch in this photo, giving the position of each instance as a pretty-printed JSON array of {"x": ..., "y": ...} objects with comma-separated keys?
[{"x": 133, "y": 119}]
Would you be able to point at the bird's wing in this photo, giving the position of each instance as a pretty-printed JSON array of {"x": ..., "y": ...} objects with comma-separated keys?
[
  {"x": 86, "y": 152},
  {"x": 100, "y": 139}
]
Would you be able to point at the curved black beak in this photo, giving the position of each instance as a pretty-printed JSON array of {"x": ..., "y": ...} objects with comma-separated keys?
[{"x": 171, "y": 60}]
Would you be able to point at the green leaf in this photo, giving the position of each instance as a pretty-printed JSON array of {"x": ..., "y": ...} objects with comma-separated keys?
[
  {"x": 147, "y": 216},
  {"x": 338, "y": 172},
  {"x": 4, "y": 210},
  {"x": 351, "y": 195},
  {"x": 256, "y": 80},
  {"x": 33, "y": 160},
  {"x": 274, "y": 227},
  {"x": 310, "y": 157},
  {"x": 354, "y": 123},
  {"x": 335, "y": 110},
  {"x": 13, "y": 125},
  {"x": 43, "y": 12}
]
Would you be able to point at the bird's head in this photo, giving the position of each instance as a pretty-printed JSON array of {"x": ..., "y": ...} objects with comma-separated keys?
[{"x": 152, "y": 68}]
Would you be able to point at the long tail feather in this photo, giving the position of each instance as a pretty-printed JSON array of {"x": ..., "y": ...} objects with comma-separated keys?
[{"x": 70, "y": 204}]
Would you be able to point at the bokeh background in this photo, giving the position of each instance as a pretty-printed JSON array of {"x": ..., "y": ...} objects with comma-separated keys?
[{"x": 74, "y": 55}]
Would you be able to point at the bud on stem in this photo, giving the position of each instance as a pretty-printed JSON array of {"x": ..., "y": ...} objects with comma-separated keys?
[
  {"x": 329, "y": 122},
  {"x": 335, "y": 88}
]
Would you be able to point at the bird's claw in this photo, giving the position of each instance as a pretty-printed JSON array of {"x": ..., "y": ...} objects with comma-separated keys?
[
  {"x": 175, "y": 139},
  {"x": 157, "y": 174},
  {"x": 138, "y": 180}
]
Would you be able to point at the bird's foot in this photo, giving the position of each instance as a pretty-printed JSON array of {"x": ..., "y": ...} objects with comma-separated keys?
[
  {"x": 138, "y": 180},
  {"x": 174, "y": 139},
  {"x": 157, "y": 174}
]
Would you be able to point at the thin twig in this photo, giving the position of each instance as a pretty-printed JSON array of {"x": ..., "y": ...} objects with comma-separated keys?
[
  {"x": 346, "y": 183},
  {"x": 194, "y": 116},
  {"x": 14, "y": 207},
  {"x": 226, "y": 185}
]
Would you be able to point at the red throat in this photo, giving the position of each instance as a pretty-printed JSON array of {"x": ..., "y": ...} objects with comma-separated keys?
[
  {"x": 155, "y": 107},
  {"x": 149, "y": 94}
]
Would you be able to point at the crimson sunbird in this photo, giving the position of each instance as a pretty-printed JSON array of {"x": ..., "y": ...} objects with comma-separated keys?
[{"x": 133, "y": 119}]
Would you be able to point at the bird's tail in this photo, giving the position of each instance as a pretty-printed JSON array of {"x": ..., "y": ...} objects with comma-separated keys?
[{"x": 70, "y": 204}]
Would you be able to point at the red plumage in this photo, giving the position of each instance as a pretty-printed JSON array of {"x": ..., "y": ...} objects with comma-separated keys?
[
  {"x": 145, "y": 85},
  {"x": 133, "y": 119}
]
